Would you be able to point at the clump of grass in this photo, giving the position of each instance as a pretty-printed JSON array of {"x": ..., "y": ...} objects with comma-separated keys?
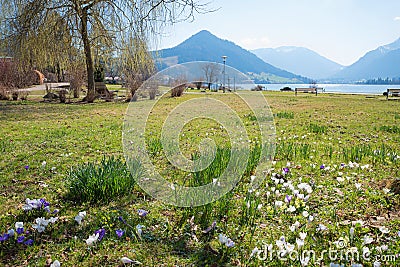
[
  {"x": 397, "y": 116},
  {"x": 390, "y": 129},
  {"x": 315, "y": 128},
  {"x": 285, "y": 115},
  {"x": 100, "y": 183},
  {"x": 5, "y": 146},
  {"x": 292, "y": 151}
]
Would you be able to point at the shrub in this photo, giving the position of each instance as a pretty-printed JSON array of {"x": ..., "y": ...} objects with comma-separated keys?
[
  {"x": 11, "y": 77},
  {"x": 390, "y": 129},
  {"x": 285, "y": 115},
  {"x": 109, "y": 180},
  {"x": 152, "y": 93},
  {"x": 3, "y": 93},
  {"x": 77, "y": 78},
  {"x": 177, "y": 91}
]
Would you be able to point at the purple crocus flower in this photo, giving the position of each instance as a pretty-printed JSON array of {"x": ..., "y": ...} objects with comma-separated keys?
[
  {"x": 20, "y": 230},
  {"x": 6, "y": 237},
  {"x": 142, "y": 213},
  {"x": 44, "y": 203},
  {"x": 101, "y": 232},
  {"x": 26, "y": 167},
  {"x": 29, "y": 242},
  {"x": 122, "y": 219},
  {"x": 286, "y": 170},
  {"x": 230, "y": 243},
  {"x": 322, "y": 167},
  {"x": 20, "y": 239},
  {"x": 212, "y": 226},
  {"x": 120, "y": 232},
  {"x": 55, "y": 211},
  {"x": 288, "y": 198}
]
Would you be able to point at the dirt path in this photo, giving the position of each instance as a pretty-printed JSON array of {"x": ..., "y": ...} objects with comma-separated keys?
[{"x": 43, "y": 86}]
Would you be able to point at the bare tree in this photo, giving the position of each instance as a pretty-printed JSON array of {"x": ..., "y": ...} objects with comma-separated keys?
[
  {"x": 138, "y": 65},
  {"x": 90, "y": 24},
  {"x": 211, "y": 71}
]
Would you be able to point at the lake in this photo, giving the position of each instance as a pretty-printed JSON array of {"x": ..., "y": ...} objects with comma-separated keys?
[{"x": 338, "y": 88}]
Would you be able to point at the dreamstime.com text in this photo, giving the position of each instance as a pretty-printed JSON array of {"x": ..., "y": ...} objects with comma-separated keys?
[{"x": 347, "y": 255}]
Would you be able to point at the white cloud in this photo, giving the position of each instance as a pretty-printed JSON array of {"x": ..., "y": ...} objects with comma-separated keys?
[
  {"x": 253, "y": 43},
  {"x": 396, "y": 18}
]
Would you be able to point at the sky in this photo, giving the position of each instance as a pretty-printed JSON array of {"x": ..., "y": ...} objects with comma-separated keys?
[{"x": 341, "y": 30}]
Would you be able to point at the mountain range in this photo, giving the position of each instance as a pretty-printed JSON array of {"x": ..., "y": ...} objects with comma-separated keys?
[
  {"x": 205, "y": 46},
  {"x": 382, "y": 62},
  {"x": 286, "y": 64},
  {"x": 299, "y": 60}
]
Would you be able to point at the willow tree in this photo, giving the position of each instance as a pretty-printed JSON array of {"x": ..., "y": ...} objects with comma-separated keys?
[{"x": 90, "y": 23}]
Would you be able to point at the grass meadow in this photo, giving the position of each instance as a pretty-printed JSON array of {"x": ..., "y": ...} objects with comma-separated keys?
[{"x": 330, "y": 198}]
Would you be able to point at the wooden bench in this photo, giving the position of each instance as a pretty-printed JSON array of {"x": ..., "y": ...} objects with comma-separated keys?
[
  {"x": 392, "y": 92},
  {"x": 313, "y": 90}
]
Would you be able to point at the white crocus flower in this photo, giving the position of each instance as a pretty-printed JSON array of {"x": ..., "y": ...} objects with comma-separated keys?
[
  {"x": 384, "y": 230},
  {"x": 278, "y": 204},
  {"x": 139, "y": 230},
  {"x": 321, "y": 228},
  {"x": 19, "y": 225},
  {"x": 222, "y": 238},
  {"x": 53, "y": 219},
  {"x": 92, "y": 239},
  {"x": 303, "y": 235},
  {"x": 126, "y": 260},
  {"x": 340, "y": 179},
  {"x": 291, "y": 209},
  {"x": 55, "y": 263},
  {"x": 80, "y": 216},
  {"x": 368, "y": 240},
  {"x": 299, "y": 242}
]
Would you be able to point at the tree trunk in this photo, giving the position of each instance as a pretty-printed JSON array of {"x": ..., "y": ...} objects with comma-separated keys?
[{"x": 91, "y": 91}]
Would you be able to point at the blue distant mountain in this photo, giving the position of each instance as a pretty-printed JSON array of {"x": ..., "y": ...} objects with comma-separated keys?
[
  {"x": 383, "y": 62},
  {"x": 205, "y": 46},
  {"x": 299, "y": 60}
]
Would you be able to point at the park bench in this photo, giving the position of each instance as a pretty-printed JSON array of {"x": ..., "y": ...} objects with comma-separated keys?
[
  {"x": 392, "y": 92},
  {"x": 313, "y": 90}
]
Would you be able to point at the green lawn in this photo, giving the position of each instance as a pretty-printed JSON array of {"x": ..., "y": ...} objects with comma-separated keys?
[{"x": 334, "y": 186}]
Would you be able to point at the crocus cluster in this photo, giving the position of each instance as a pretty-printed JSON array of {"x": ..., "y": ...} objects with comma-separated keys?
[
  {"x": 223, "y": 239},
  {"x": 36, "y": 204},
  {"x": 19, "y": 234},
  {"x": 41, "y": 223},
  {"x": 96, "y": 237}
]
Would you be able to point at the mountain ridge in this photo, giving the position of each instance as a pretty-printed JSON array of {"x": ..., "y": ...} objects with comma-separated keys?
[
  {"x": 311, "y": 65},
  {"x": 379, "y": 63},
  {"x": 204, "y": 46}
]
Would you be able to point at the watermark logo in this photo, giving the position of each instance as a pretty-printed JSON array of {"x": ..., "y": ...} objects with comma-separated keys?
[
  {"x": 340, "y": 252},
  {"x": 139, "y": 120}
]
